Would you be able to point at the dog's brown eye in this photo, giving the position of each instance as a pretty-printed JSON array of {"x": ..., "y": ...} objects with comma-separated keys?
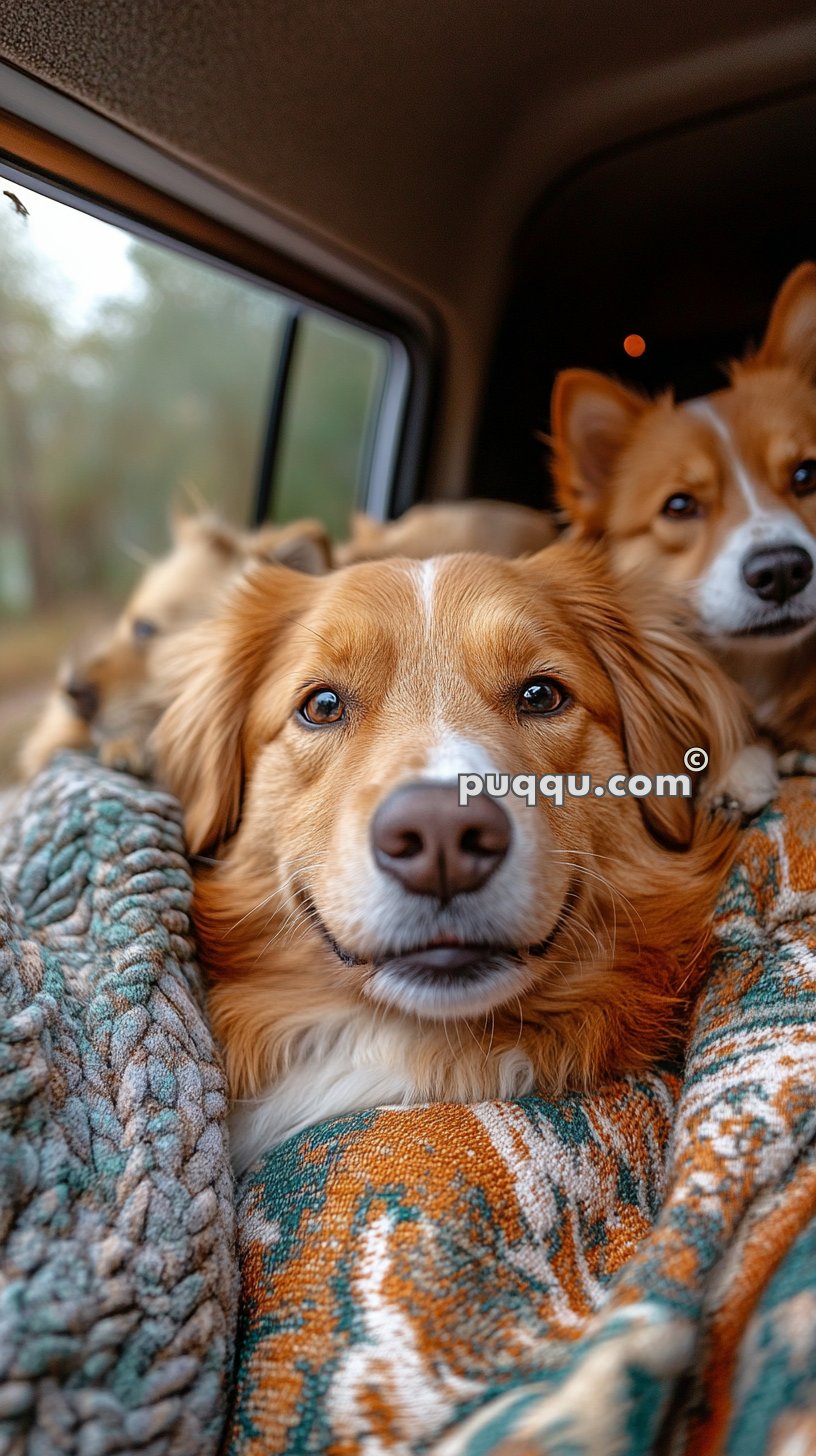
[
  {"x": 681, "y": 506},
  {"x": 142, "y": 629},
  {"x": 324, "y": 706},
  {"x": 803, "y": 481},
  {"x": 542, "y": 695}
]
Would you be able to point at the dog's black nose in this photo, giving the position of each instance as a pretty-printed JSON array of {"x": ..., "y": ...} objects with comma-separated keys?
[
  {"x": 433, "y": 845},
  {"x": 777, "y": 573},
  {"x": 84, "y": 696}
]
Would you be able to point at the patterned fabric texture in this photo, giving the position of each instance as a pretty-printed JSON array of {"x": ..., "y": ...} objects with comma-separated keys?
[
  {"x": 605, "y": 1276},
  {"x": 117, "y": 1267}
]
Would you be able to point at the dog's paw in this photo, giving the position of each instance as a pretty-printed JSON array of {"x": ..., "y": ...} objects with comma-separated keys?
[
  {"x": 749, "y": 785},
  {"x": 723, "y": 804},
  {"x": 126, "y": 755},
  {"x": 797, "y": 762},
  {"x": 58, "y": 727}
]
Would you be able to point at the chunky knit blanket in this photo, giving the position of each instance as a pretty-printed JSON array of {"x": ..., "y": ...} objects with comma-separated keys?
[
  {"x": 117, "y": 1264},
  {"x": 605, "y": 1276}
]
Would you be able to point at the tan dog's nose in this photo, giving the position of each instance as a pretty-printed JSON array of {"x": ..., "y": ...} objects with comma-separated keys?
[
  {"x": 433, "y": 845},
  {"x": 778, "y": 573},
  {"x": 84, "y": 696}
]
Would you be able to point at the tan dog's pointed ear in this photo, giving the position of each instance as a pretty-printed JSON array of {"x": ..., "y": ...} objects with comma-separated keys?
[
  {"x": 205, "y": 678},
  {"x": 790, "y": 337},
  {"x": 366, "y": 535},
  {"x": 592, "y": 419},
  {"x": 366, "y": 529},
  {"x": 309, "y": 554},
  {"x": 302, "y": 546}
]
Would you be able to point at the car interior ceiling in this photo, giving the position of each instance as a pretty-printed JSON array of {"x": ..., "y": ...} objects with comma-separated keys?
[{"x": 418, "y": 140}]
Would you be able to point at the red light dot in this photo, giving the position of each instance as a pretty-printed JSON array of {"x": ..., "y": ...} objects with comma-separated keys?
[{"x": 634, "y": 346}]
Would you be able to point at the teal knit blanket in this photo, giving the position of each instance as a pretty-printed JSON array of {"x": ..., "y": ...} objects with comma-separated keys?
[{"x": 117, "y": 1266}]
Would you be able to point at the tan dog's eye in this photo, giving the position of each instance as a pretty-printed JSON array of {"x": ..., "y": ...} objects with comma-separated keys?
[
  {"x": 142, "y": 629},
  {"x": 542, "y": 695},
  {"x": 322, "y": 707},
  {"x": 681, "y": 507},
  {"x": 803, "y": 480}
]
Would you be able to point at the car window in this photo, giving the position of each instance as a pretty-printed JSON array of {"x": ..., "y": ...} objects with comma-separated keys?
[
  {"x": 337, "y": 378},
  {"x": 135, "y": 377}
]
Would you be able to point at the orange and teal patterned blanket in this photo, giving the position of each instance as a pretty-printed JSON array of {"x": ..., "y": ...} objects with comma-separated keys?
[{"x": 624, "y": 1273}]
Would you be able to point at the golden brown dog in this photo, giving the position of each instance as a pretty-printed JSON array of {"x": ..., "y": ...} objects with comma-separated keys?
[
  {"x": 438, "y": 529},
  {"x": 368, "y": 938},
  {"x": 717, "y": 496},
  {"x": 106, "y": 700}
]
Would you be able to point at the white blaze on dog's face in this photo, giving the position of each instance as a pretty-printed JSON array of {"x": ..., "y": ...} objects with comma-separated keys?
[
  {"x": 718, "y": 493},
  {"x": 320, "y": 726}
]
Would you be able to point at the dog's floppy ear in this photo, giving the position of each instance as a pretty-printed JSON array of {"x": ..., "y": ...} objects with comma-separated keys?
[
  {"x": 205, "y": 678},
  {"x": 672, "y": 696},
  {"x": 592, "y": 419},
  {"x": 790, "y": 337}
]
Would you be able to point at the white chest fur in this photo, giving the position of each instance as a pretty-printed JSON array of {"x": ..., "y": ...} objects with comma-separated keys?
[
  {"x": 338, "y": 1067},
  {"x": 359, "y": 1061}
]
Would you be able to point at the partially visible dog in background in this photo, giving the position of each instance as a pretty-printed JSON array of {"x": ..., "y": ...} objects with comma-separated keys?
[
  {"x": 717, "y": 496},
  {"x": 106, "y": 699},
  {"x": 498, "y": 528}
]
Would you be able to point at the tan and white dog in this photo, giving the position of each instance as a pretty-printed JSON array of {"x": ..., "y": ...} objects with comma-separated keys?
[
  {"x": 368, "y": 938},
  {"x": 716, "y": 496}
]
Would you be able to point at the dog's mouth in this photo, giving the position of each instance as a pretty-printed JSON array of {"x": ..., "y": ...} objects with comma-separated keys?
[
  {"x": 779, "y": 627},
  {"x": 442, "y": 983},
  {"x": 447, "y": 958},
  {"x": 449, "y": 977}
]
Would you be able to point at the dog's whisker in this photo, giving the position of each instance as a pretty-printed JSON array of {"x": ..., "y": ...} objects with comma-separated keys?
[
  {"x": 283, "y": 891},
  {"x": 273, "y": 940},
  {"x": 296, "y": 622},
  {"x": 300, "y": 917},
  {"x": 488, "y": 1049},
  {"x": 577, "y": 927},
  {"x": 517, "y": 1000},
  {"x": 602, "y": 879},
  {"x": 252, "y": 911},
  {"x": 473, "y": 1035},
  {"x": 278, "y": 893}
]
